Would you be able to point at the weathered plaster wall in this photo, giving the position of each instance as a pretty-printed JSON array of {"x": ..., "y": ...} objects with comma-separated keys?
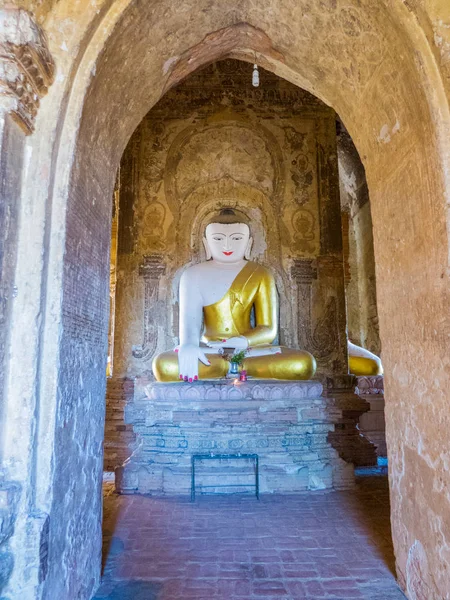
[
  {"x": 364, "y": 274},
  {"x": 10, "y": 167},
  {"x": 377, "y": 64},
  {"x": 359, "y": 257},
  {"x": 11, "y": 143},
  {"x": 215, "y": 141},
  {"x": 113, "y": 277}
]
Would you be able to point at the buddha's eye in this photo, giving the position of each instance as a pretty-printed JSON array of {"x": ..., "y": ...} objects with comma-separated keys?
[
  {"x": 217, "y": 239},
  {"x": 237, "y": 238}
]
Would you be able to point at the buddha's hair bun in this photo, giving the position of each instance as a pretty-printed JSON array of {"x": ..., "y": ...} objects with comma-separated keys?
[{"x": 228, "y": 216}]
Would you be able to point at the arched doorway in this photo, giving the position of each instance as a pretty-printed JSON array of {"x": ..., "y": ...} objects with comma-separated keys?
[{"x": 359, "y": 60}]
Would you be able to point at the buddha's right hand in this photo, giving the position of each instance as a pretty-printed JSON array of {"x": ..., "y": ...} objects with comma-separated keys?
[{"x": 188, "y": 357}]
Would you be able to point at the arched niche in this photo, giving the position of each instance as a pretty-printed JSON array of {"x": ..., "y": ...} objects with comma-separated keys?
[{"x": 266, "y": 248}]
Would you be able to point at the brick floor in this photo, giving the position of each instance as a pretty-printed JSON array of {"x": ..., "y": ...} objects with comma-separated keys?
[{"x": 335, "y": 546}]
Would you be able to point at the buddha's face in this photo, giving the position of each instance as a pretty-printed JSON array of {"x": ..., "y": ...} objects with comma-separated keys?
[{"x": 227, "y": 243}]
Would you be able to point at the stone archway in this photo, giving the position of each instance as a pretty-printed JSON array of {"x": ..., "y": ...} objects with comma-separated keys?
[{"x": 359, "y": 58}]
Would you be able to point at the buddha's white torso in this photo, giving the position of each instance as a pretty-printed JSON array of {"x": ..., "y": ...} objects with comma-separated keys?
[{"x": 211, "y": 280}]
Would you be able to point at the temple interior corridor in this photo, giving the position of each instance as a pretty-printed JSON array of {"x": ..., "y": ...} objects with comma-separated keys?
[
  {"x": 335, "y": 546},
  {"x": 134, "y": 135}
]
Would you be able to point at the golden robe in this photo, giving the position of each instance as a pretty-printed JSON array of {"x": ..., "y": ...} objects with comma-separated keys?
[
  {"x": 253, "y": 288},
  {"x": 364, "y": 367}
]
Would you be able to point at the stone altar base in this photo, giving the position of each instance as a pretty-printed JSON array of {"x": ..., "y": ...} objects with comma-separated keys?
[{"x": 287, "y": 424}]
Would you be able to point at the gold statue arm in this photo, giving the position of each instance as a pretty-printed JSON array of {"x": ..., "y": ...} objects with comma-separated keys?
[{"x": 266, "y": 313}]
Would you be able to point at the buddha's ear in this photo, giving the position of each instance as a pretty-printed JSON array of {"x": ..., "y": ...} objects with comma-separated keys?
[
  {"x": 248, "y": 249},
  {"x": 207, "y": 250}
]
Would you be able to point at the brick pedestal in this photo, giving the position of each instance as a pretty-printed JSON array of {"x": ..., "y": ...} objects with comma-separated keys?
[
  {"x": 372, "y": 424},
  {"x": 286, "y": 423},
  {"x": 119, "y": 436},
  {"x": 347, "y": 438}
]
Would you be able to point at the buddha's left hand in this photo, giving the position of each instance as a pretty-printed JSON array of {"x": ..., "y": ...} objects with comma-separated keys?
[{"x": 238, "y": 343}]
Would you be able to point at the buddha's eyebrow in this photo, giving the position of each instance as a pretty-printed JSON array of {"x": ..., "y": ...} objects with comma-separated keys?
[{"x": 237, "y": 233}]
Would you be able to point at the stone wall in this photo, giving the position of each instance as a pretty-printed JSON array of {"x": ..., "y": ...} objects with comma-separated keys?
[
  {"x": 10, "y": 164},
  {"x": 26, "y": 72},
  {"x": 359, "y": 257},
  {"x": 216, "y": 141},
  {"x": 118, "y": 435}
]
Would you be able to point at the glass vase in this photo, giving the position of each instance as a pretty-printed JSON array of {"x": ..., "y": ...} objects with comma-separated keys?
[{"x": 234, "y": 369}]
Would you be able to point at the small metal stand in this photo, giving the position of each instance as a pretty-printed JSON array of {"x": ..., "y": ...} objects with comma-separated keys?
[{"x": 212, "y": 456}]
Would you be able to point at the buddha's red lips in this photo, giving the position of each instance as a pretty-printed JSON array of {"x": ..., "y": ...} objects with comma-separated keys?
[{"x": 228, "y": 253}]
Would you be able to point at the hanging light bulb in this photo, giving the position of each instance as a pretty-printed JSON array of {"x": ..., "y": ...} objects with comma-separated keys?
[{"x": 255, "y": 77}]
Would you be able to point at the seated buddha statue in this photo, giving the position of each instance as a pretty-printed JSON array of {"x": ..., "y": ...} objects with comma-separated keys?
[
  {"x": 363, "y": 363},
  {"x": 217, "y": 298}
]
